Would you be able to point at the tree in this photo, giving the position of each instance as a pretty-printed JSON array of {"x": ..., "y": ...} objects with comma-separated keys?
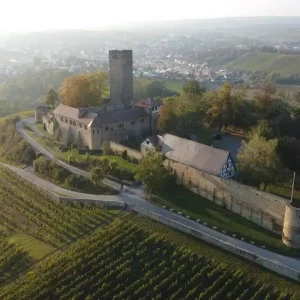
[
  {"x": 221, "y": 112},
  {"x": 85, "y": 89},
  {"x": 259, "y": 160},
  {"x": 262, "y": 129},
  {"x": 106, "y": 149},
  {"x": 96, "y": 175},
  {"x": 73, "y": 156},
  {"x": 167, "y": 115},
  {"x": 192, "y": 88},
  {"x": 152, "y": 172},
  {"x": 52, "y": 98}
]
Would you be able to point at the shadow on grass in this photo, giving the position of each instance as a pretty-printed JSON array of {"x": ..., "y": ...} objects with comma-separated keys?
[{"x": 198, "y": 207}]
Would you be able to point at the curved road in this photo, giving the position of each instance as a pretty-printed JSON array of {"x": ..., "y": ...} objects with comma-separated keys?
[{"x": 134, "y": 197}]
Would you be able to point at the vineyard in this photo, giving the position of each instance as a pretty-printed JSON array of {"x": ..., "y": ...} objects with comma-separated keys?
[
  {"x": 27, "y": 210},
  {"x": 124, "y": 261}
]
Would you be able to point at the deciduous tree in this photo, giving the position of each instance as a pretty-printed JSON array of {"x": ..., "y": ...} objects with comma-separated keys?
[
  {"x": 52, "y": 98},
  {"x": 96, "y": 175},
  {"x": 152, "y": 172},
  {"x": 85, "y": 90},
  {"x": 259, "y": 160}
]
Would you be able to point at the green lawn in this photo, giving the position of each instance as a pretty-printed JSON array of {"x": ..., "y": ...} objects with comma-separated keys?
[
  {"x": 52, "y": 147},
  {"x": 122, "y": 163},
  {"x": 207, "y": 211},
  {"x": 23, "y": 114},
  {"x": 175, "y": 85},
  {"x": 35, "y": 248}
]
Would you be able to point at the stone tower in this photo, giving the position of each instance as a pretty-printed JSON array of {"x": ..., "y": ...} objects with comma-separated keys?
[
  {"x": 291, "y": 227},
  {"x": 121, "y": 77}
]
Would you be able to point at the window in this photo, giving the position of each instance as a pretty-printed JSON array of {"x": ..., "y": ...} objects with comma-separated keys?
[
  {"x": 66, "y": 121},
  {"x": 132, "y": 123},
  {"x": 121, "y": 125},
  {"x": 74, "y": 123},
  {"x": 70, "y": 122},
  {"x": 106, "y": 128},
  {"x": 85, "y": 127},
  {"x": 97, "y": 131},
  {"x": 142, "y": 120},
  {"x": 62, "y": 119},
  {"x": 111, "y": 128},
  {"x": 80, "y": 125},
  {"x": 93, "y": 131}
]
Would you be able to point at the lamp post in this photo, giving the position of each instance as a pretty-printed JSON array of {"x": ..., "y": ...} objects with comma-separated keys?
[{"x": 292, "y": 193}]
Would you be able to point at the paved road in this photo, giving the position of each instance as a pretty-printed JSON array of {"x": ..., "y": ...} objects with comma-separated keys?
[{"x": 133, "y": 197}]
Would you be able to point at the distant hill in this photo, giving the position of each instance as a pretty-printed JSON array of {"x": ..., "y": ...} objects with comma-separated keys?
[{"x": 284, "y": 64}]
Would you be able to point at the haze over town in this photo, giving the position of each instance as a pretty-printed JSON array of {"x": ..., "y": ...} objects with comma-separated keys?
[{"x": 35, "y": 15}]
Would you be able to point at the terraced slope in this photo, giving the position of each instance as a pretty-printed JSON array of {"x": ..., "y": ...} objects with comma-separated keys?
[
  {"x": 33, "y": 226},
  {"x": 269, "y": 62},
  {"x": 125, "y": 261}
]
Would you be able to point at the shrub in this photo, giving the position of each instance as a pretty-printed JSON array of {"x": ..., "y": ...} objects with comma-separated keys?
[
  {"x": 122, "y": 174},
  {"x": 77, "y": 181},
  {"x": 106, "y": 148},
  {"x": 124, "y": 154}
]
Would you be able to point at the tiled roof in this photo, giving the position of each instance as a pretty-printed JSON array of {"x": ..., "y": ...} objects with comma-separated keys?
[
  {"x": 88, "y": 117},
  {"x": 119, "y": 116},
  {"x": 147, "y": 103},
  {"x": 193, "y": 154},
  {"x": 73, "y": 114}
]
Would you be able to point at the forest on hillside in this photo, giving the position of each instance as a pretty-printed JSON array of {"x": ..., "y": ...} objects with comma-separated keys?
[{"x": 27, "y": 91}]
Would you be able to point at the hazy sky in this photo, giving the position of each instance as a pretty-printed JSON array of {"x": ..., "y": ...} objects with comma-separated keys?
[{"x": 24, "y": 15}]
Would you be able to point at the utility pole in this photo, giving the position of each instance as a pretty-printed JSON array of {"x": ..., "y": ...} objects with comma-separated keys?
[{"x": 292, "y": 193}]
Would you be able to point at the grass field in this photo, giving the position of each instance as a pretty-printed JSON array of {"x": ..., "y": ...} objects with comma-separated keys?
[
  {"x": 135, "y": 258},
  {"x": 207, "y": 211},
  {"x": 51, "y": 146},
  {"x": 175, "y": 85},
  {"x": 269, "y": 62},
  {"x": 23, "y": 114}
]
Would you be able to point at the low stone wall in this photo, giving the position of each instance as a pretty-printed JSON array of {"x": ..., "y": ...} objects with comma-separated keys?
[
  {"x": 264, "y": 209},
  {"x": 268, "y": 264},
  {"x": 119, "y": 149}
]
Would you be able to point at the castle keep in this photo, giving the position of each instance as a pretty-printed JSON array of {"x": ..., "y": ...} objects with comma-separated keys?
[{"x": 117, "y": 121}]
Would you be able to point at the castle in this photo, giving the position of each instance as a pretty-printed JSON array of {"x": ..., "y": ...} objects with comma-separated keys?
[{"x": 117, "y": 121}]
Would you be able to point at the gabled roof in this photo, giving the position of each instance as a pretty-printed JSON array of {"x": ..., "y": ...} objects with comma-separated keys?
[
  {"x": 94, "y": 118},
  {"x": 119, "y": 116},
  {"x": 147, "y": 103},
  {"x": 193, "y": 154},
  {"x": 75, "y": 114}
]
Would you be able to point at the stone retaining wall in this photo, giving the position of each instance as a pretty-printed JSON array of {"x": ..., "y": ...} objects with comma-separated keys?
[{"x": 264, "y": 209}]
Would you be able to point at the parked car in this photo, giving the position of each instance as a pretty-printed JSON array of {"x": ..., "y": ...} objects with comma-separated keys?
[{"x": 217, "y": 136}]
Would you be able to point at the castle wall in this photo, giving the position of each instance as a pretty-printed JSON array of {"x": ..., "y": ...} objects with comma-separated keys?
[
  {"x": 136, "y": 128},
  {"x": 48, "y": 124},
  {"x": 118, "y": 148},
  {"x": 291, "y": 228},
  {"x": 73, "y": 134},
  {"x": 40, "y": 111},
  {"x": 262, "y": 208}
]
